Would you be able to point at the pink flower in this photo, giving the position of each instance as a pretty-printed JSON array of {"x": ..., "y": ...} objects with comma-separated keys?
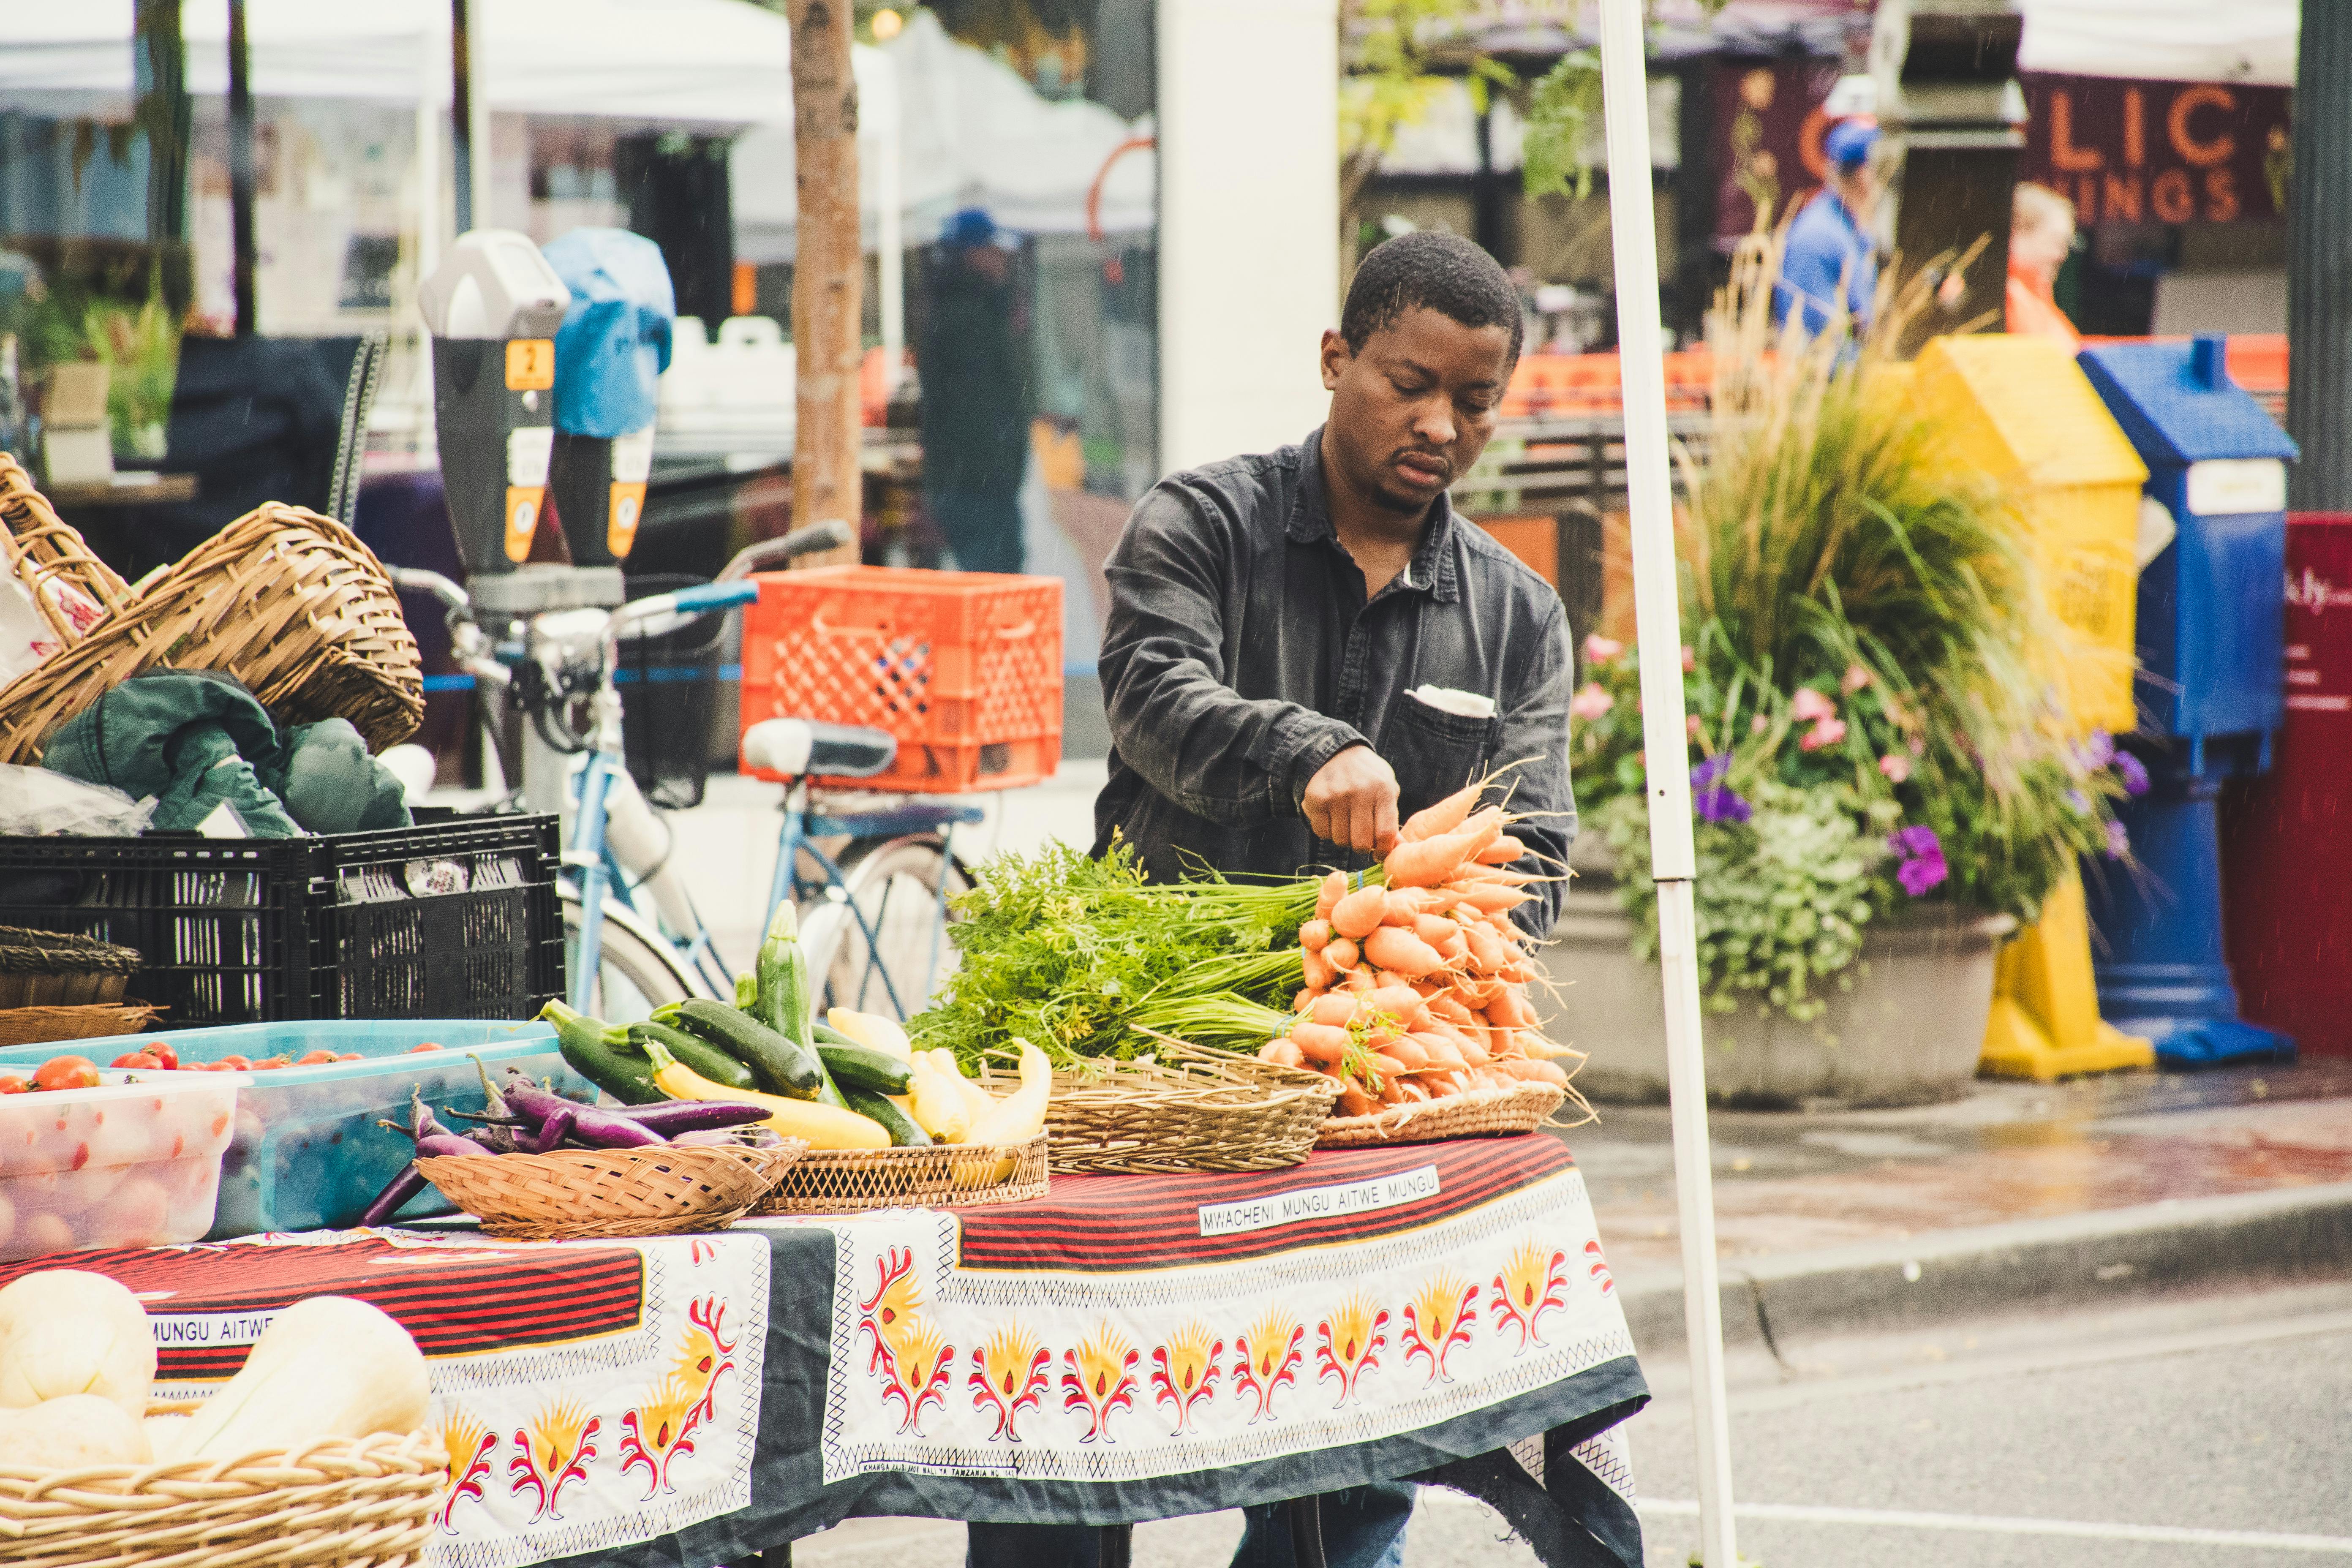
[
  {"x": 1809, "y": 704},
  {"x": 1855, "y": 678},
  {"x": 1599, "y": 649},
  {"x": 1896, "y": 766},
  {"x": 1759, "y": 724},
  {"x": 1590, "y": 703},
  {"x": 1824, "y": 733},
  {"x": 1691, "y": 722},
  {"x": 1690, "y": 659}
]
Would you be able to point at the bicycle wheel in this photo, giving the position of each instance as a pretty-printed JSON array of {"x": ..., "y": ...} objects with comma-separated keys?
[
  {"x": 894, "y": 884},
  {"x": 638, "y": 969}
]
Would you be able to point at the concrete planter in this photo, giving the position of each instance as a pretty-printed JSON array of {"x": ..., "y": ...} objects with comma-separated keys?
[{"x": 1908, "y": 1033}]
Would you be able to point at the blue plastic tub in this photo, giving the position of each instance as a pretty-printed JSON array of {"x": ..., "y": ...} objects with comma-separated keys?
[{"x": 307, "y": 1153}]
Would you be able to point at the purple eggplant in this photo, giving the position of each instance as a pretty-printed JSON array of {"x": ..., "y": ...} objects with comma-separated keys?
[
  {"x": 554, "y": 1130},
  {"x": 444, "y": 1146},
  {"x": 395, "y": 1196},
  {"x": 672, "y": 1117},
  {"x": 596, "y": 1129}
]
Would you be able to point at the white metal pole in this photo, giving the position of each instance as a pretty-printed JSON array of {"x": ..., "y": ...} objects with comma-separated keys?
[{"x": 1657, "y": 619}]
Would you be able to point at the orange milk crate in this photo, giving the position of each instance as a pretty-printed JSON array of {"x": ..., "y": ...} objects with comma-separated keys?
[{"x": 963, "y": 668}]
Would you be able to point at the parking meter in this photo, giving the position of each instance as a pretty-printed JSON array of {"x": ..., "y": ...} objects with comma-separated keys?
[
  {"x": 493, "y": 305},
  {"x": 2213, "y": 685},
  {"x": 613, "y": 346}
]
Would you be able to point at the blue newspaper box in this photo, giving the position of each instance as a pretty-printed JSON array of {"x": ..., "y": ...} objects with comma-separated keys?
[
  {"x": 2212, "y": 687},
  {"x": 611, "y": 348}
]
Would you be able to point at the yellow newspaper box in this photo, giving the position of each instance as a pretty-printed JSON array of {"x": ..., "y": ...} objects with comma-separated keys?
[{"x": 2020, "y": 409}]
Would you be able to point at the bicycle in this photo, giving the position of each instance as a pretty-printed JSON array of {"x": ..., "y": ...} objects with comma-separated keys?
[{"x": 873, "y": 880}]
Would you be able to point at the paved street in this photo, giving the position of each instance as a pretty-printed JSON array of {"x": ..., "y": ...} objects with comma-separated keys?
[{"x": 2212, "y": 1414}]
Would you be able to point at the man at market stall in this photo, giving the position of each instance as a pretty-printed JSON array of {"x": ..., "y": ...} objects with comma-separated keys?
[{"x": 1306, "y": 645}]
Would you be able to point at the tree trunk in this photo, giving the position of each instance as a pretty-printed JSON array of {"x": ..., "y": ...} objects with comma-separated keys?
[
  {"x": 828, "y": 271},
  {"x": 2319, "y": 273}
]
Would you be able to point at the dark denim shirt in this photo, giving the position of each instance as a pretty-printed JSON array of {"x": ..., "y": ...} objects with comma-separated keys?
[{"x": 1242, "y": 656}]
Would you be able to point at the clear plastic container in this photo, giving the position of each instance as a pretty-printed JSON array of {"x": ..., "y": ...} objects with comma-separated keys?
[
  {"x": 129, "y": 1163},
  {"x": 305, "y": 1153}
]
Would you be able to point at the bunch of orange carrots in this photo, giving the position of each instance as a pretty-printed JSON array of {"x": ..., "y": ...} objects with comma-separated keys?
[{"x": 1417, "y": 982}]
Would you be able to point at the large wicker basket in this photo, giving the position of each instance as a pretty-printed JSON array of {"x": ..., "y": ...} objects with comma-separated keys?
[
  {"x": 1473, "y": 1113},
  {"x": 95, "y": 1021},
  {"x": 368, "y": 1504},
  {"x": 944, "y": 1175},
  {"x": 288, "y": 602},
  {"x": 58, "y": 969},
  {"x": 1191, "y": 1109},
  {"x": 582, "y": 1194},
  {"x": 67, "y": 583}
]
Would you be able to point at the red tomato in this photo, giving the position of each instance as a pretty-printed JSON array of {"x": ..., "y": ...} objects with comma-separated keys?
[
  {"x": 11, "y": 1083},
  {"x": 137, "y": 1059},
  {"x": 65, "y": 1072},
  {"x": 312, "y": 1059},
  {"x": 351, "y": 1057},
  {"x": 164, "y": 1053},
  {"x": 231, "y": 1064},
  {"x": 270, "y": 1064},
  {"x": 427, "y": 1045}
]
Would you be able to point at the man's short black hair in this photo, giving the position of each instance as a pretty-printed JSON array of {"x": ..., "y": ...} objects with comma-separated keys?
[{"x": 1444, "y": 272}]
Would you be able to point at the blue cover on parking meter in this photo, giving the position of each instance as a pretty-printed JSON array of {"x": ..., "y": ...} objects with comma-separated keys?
[
  {"x": 2211, "y": 631},
  {"x": 492, "y": 305},
  {"x": 609, "y": 355}
]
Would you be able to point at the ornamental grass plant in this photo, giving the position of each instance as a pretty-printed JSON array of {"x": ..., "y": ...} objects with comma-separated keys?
[{"x": 1867, "y": 726}]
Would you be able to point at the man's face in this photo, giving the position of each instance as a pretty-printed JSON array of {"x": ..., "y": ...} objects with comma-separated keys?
[
  {"x": 1412, "y": 411},
  {"x": 1858, "y": 188}
]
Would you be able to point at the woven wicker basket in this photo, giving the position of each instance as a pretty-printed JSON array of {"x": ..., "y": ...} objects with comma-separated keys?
[
  {"x": 945, "y": 1175},
  {"x": 56, "y": 968},
  {"x": 345, "y": 1504},
  {"x": 40, "y": 1025},
  {"x": 1477, "y": 1113},
  {"x": 288, "y": 602},
  {"x": 47, "y": 556},
  {"x": 579, "y": 1194},
  {"x": 1193, "y": 1109}
]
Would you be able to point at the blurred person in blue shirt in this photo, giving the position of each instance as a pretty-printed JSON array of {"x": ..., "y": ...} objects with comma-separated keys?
[{"x": 1829, "y": 266}]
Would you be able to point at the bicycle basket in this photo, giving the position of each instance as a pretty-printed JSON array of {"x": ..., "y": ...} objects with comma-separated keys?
[{"x": 670, "y": 693}]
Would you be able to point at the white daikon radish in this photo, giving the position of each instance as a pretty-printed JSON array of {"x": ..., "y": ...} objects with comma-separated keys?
[
  {"x": 67, "y": 1434},
  {"x": 326, "y": 1367},
  {"x": 63, "y": 1331},
  {"x": 166, "y": 1432}
]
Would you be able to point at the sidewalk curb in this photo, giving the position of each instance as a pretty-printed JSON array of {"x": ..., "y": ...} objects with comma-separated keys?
[{"x": 2065, "y": 1260}]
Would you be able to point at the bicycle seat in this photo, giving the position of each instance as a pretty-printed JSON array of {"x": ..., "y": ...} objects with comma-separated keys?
[{"x": 800, "y": 746}]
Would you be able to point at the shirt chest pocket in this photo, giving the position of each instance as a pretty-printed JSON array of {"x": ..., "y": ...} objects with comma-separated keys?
[{"x": 1434, "y": 752}]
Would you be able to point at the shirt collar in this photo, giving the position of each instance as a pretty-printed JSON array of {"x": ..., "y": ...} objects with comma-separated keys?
[{"x": 1432, "y": 568}]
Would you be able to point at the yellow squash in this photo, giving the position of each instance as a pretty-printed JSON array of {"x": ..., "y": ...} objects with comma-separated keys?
[{"x": 823, "y": 1126}]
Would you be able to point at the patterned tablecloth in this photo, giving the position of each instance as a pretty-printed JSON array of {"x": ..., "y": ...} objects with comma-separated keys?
[{"x": 1126, "y": 1348}]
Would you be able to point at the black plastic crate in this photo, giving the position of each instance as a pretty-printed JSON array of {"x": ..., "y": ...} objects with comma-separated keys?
[{"x": 456, "y": 918}]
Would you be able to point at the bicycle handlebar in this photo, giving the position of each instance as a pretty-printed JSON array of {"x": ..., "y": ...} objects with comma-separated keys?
[
  {"x": 688, "y": 602},
  {"x": 832, "y": 534}
]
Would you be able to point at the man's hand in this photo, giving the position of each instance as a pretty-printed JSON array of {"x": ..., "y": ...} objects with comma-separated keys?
[{"x": 1352, "y": 800}]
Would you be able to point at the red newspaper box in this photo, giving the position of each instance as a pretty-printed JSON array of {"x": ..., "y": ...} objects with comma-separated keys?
[{"x": 2286, "y": 837}]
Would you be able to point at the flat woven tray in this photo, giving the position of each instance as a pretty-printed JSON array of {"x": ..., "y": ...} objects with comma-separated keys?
[
  {"x": 1477, "y": 1113},
  {"x": 58, "y": 969},
  {"x": 95, "y": 1021},
  {"x": 345, "y": 1504},
  {"x": 958, "y": 1175},
  {"x": 1191, "y": 1109},
  {"x": 582, "y": 1194}
]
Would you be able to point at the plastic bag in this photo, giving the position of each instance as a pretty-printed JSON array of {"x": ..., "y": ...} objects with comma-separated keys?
[
  {"x": 616, "y": 338},
  {"x": 34, "y": 801}
]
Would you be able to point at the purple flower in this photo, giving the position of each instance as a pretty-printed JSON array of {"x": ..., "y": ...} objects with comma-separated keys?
[
  {"x": 2132, "y": 772},
  {"x": 2118, "y": 841},
  {"x": 1711, "y": 770},
  {"x": 1720, "y": 804},
  {"x": 2098, "y": 751},
  {"x": 1923, "y": 865}
]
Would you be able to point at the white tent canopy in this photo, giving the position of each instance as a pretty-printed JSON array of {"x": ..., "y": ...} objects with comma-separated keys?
[
  {"x": 2252, "y": 41},
  {"x": 972, "y": 134}
]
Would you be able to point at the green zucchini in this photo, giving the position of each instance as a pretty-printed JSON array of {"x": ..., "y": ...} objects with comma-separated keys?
[
  {"x": 903, "y": 1134},
  {"x": 823, "y": 1034},
  {"x": 699, "y": 1054},
  {"x": 627, "y": 1078},
  {"x": 788, "y": 1069},
  {"x": 860, "y": 1066},
  {"x": 747, "y": 994}
]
